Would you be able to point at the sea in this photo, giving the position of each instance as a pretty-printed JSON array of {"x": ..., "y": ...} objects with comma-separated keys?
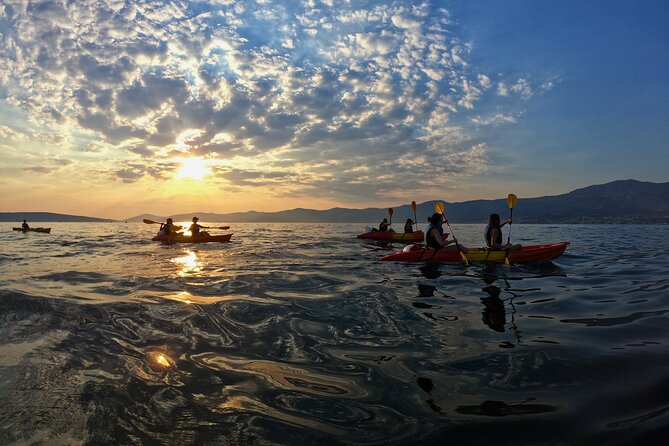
[{"x": 297, "y": 334}]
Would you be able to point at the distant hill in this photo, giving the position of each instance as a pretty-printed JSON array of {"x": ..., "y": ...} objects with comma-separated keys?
[
  {"x": 624, "y": 201},
  {"x": 46, "y": 217}
]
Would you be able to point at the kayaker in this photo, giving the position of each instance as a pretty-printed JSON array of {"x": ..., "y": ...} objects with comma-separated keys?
[
  {"x": 195, "y": 228},
  {"x": 384, "y": 226},
  {"x": 25, "y": 226},
  {"x": 169, "y": 228},
  {"x": 408, "y": 226},
  {"x": 434, "y": 235},
  {"x": 493, "y": 233}
]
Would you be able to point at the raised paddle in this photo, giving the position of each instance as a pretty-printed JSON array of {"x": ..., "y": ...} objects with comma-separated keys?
[
  {"x": 413, "y": 206},
  {"x": 511, "y": 201},
  {"x": 151, "y": 222},
  {"x": 439, "y": 207},
  {"x": 390, "y": 213}
]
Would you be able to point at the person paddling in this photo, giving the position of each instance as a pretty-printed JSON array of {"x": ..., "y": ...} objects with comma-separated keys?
[
  {"x": 408, "y": 226},
  {"x": 25, "y": 226},
  {"x": 434, "y": 235},
  {"x": 195, "y": 228},
  {"x": 493, "y": 233},
  {"x": 169, "y": 228},
  {"x": 384, "y": 225}
]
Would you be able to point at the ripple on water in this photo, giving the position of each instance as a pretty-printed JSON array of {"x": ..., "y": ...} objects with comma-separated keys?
[{"x": 285, "y": 336}]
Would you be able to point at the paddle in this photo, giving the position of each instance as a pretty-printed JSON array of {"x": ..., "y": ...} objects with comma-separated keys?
[
  {"x": 439, "y": 207},
  {"x": 511, "y": 201},
  {"x": 413, "y": 206},
  {"x": 390, "y": 213},
  {"x": 151, "y": 222}
]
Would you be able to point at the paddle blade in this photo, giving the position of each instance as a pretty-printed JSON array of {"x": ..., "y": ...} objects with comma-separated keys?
[
  {"x": 150, "y": 222},
  {"x": 390, "y": 211},
  {"x": 439, "y": 207},
  {"x": 413, "y": 206},
  {"x": 511, "y": 201}
]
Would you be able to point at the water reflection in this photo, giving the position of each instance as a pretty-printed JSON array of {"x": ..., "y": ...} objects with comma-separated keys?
[
  {"x": 430, "y": 270},
  {"x": 496, "y": 309},
  {"x": 183, "y": 296},
  {"x": 159, "y": 361},
  {"x": 188, "y": 264},
  {"x": 494, "y": 315}
]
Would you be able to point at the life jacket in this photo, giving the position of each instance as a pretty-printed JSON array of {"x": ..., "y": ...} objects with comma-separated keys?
[
  {"x": 488, "y": 233},
  {"x": 430, "y": 240}
]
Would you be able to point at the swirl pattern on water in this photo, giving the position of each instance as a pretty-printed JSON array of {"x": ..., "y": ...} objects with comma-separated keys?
[{"x": 298, "y": 334}]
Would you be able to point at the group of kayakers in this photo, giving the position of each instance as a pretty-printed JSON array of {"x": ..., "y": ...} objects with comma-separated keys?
[
  {"x": 435, "y": 239},
  {"x": 169, "y": 228},
  {"x": 434, "y": 232}
]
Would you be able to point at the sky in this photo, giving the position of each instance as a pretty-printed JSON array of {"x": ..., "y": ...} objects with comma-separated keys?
[{"x": 113, "y": 108}]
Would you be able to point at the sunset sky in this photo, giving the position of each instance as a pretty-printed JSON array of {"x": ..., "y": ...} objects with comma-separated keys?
[{"x": 113, "y": 108}]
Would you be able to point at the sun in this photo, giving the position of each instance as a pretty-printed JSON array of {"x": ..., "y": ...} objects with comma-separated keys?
[{"x": 193, "y": 168}]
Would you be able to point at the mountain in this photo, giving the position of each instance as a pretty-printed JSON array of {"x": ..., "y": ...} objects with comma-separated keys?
[
  {"x": 624, "y": 201},
  {"x": 47, "y": 217}
]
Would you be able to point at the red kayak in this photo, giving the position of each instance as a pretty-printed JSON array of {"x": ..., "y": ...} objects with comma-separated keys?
[
  {"x": 526, "y": 254},
  {"x": 392, "y": 236},
  {"x": 189, "y": 239}
]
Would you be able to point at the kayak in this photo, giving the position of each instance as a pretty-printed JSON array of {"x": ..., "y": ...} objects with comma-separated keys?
[
  {"x": 526, "y": 254},
  {"x": 46, "y": 230},
  {"x": 189, "y": 239},
  {"x": 393, "y": 236}
]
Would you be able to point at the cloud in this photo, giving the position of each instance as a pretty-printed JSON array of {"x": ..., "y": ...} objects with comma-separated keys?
[
  {"x": 40, "y": 169},
  {"x": 285, "y": 85},
  {"x": 525, "y": 87},
  {"x": 495, "y": 119}
]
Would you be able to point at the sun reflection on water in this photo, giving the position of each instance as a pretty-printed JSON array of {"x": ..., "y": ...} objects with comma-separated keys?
[
  {"x": 183, "y": 296},
  {"x": 159, "y": 361},
  {"x": 188, "y": 264}
]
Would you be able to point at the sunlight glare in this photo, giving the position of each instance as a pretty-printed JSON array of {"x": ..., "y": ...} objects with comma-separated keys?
[{"x": 193, "y": 168}]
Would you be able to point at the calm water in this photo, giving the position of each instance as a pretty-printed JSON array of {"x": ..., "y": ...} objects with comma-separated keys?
[{"x": 297, "y": 335}]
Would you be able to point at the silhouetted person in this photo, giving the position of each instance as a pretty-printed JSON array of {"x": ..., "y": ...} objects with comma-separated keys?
[
  {"x": 195, "y": 228},
  {"x": 169, "y": 228},
  {"x": 434, "y": 235},
  {"x": 494, "y": 239}
]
